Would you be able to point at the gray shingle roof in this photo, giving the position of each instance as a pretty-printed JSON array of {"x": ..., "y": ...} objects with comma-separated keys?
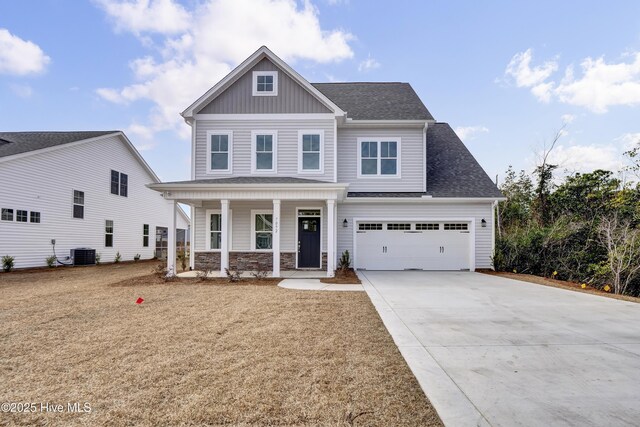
[
  {"x": 22, "y": 142},
  {"x": 251, "y": 180},
  {"x": 397, "y": 194},
  {"x": 376, "y": 101},
  {"x": 452, "y": 171}
]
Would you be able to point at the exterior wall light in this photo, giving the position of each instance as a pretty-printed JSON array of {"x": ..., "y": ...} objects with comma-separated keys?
[
  {"x": 345, "y": 223},
  {"x": 483, "y": 223}
]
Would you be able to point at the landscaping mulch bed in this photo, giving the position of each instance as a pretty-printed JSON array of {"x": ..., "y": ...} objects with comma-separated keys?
[
  {"x": 198, "y": 353},
  {"x": 343, "y": 277},
  {"x": 563, "y": 284},
  {"x": 154, "y": 279}
]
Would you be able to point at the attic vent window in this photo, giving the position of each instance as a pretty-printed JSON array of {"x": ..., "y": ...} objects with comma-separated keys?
[{"x": 265, "y": 83}]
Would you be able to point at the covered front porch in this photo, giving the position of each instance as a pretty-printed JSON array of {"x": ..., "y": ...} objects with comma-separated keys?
[{"x": 270, "y": 225}]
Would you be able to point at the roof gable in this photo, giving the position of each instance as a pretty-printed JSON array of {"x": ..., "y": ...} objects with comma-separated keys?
[
  {"x": 12, "y": 143},
  {"x": 243, "y": 68},
  {"x": 238, "y": 97}
]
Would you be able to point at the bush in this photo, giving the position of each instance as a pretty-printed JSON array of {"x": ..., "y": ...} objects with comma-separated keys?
[
  {"x": 345, "y": 261},
  {"x": 182, "y": 257},
  {"x": 117, "y": 258},
  {"x": 233, "y": 275},
  {"x": 51, "y": 261},
  {"x": 7, "y": 263},
  {"x": 98, "y": 259}
]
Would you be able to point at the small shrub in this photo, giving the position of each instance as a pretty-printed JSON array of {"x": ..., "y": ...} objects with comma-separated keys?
[
  {"x": 7, "y": 263},
  {"x": 260, "y": 274},
  {"x": 117, "y": 258},
  {"x": 160, "y": 269},
  {"x": 345, "y": 261},
  {"x": 136, "y": 258},
  {"x": 51, "y": 261},
  {"x": 98, "y": 259},
  {"x": 233, "y": 275},
  {"x": 182, "y": 257},
  {"x": 204, "y": 274}
]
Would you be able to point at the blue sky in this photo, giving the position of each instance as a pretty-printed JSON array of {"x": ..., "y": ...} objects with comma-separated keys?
[{"x": 504, "y": 74}]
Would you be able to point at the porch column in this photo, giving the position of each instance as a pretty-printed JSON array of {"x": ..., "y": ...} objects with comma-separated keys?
[
  {"x": 224, "y": 236},
  {"x": 331, "y": 226},
  {"x": 192, "y": 234},
  {"x": 171, "y": 239},
  {"x": 276, "y": 238}
]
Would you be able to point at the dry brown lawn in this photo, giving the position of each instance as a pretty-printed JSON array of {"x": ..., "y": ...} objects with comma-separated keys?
[{"x": 197, "y": 353}]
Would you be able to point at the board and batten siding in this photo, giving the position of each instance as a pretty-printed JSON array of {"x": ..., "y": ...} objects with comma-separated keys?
[
  {"x": 380, "y": 211},
  {"x": 238, "y": 97},
  {"x": 412, "y": 160},
  {"x": 287, "y": 146},
  {"x": 241, "y": 223},
  {"x": 44, "y": 182}
]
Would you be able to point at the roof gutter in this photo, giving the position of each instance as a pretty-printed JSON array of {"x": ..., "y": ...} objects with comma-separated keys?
[
  {"x": 424, "y": 199},
  {"x": 244, "y": 187}
]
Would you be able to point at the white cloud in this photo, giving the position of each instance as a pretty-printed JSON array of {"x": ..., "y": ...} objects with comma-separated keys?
[
  {"x": 467, "y": 133},
  {"x": 587, "y": 158},
  {"x": 21, "y": 90},
  {"x": 221, "y": 34},
  {"x": 153, "y": 16},
  {"x": 368, "y": 64},
  {"x": 568, "y": 118},
  {"x": 600, "y": 86},
  {"x": 629, "y": 140},
  {"x": 20, "y": 57}
]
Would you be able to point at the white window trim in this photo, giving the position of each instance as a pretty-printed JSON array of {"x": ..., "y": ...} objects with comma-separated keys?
[
  {"x": 113, "y": 237},
  {"x": 274, "y": 74},
  {"x": 301, "y": 133},
  {"x": 208, "y": 213},
  {"x": 253, "y": 229},
  {"x": 379, "y": 139},
  {"x": 84, "y": 204},
  {"x": 229, "y": 170},
  {"x": 254, "y": 146}
]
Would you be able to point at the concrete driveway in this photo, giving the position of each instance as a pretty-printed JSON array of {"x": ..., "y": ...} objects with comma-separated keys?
[{"x": 494, "y": 351}]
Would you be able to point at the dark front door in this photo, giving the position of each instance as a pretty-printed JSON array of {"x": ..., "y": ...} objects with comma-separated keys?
[{"x": 309, "y": 242}]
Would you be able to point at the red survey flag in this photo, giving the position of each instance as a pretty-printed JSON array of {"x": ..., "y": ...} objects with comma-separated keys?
[{"x": 139, "y": 301}]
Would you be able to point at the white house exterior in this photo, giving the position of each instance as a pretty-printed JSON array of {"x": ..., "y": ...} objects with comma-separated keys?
[
  {"x": 287, "y": 174},
  {"x": 58, "y": 185}
]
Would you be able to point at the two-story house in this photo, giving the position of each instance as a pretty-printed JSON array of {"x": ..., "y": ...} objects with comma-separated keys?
[{"x": 288, "y": 174}]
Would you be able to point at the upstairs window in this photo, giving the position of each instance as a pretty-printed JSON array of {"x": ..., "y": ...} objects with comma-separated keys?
[
  {"x": 265, "y": 83},
  {"x": 219, "y": 147},
  {"x": 7, "y": 214},
  {"x": 379, "y": 157},
  {"x": 78, "y": 204},
  {"x": 310, "y": 151},
  {"x": 263, "y": 155},
  {"x": 119, "y": 183}
]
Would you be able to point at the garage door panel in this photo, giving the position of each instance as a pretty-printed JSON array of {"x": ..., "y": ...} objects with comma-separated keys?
[{"x": 420, "y": 247}]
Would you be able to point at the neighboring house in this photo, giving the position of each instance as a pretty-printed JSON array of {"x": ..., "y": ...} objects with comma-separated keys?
[
  {"x": 287, "y": 174},
  {"x": 83, "y": 189}
]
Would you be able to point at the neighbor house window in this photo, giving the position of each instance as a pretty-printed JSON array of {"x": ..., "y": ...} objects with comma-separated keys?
[
  {"x": 265, "y": 83},
  {"x": 219, "y": 149},
  {"x": 78, "y": 204},
  {"x": 35, "y": 217},
  {"x": 379, "y": 157},
  {"x": 7, "y": 214},
  {"x": 119, "y": 183},
  {"x": 262, "y": 233},
  {"x": 22, "y": 216},
  {"x": 108, "y": 233},
  {"x": 263, "y": 156},
  {"x": 310, "y": 151},
  {"x": 145, "y": 235}
]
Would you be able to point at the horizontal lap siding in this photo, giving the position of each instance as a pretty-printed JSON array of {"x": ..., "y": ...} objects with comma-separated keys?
[
  {"x": 287, "y": 146},
  {"x": 411, "y": 160},
  {"x": 415, "y": 210},
  {"x": 241, "y": 223},
  {"x": 238, "y": 98},
  {"x": 44, "y": 182}
]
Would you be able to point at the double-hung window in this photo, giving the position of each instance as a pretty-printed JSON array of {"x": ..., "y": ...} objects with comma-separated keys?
[
  {"x": 108, "y": 233},
  {"x": 145, "y": 235},
  {"x": 265, "y": 83},
  {"x": 264, "y": 151},
  {"x": 119, "y": 183},
  {"x": 219, "y": 149},
  {"x": 78, "y": 204},
  {"x": 310, "y": 151},
  {"x": 214, "y": 229},
  {"x": 262, "y": 230},
  {"x": 379, "y": 157}
]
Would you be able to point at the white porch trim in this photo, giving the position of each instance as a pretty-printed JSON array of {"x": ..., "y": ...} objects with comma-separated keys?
[
  {"x": 331, "y": 225},
  {"x": 275, "y": 243},
  {"x": 224, "y": 244},
  {"x": 171, "y": 239}
]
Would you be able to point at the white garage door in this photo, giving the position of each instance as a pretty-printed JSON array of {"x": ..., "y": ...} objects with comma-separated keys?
[{"x": 412, "y": 245}]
